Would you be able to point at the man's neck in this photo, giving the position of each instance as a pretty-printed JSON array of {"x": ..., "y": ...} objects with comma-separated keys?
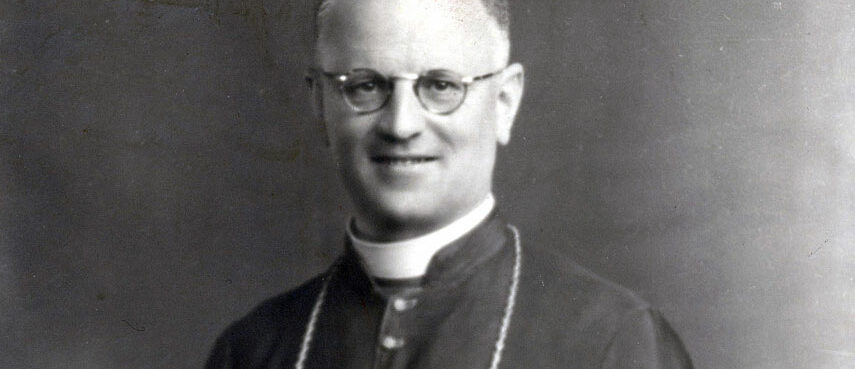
[{"x": 410, "y": 258}]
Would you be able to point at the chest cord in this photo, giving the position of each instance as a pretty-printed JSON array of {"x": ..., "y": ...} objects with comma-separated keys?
[{"x": 503, "y": 331}]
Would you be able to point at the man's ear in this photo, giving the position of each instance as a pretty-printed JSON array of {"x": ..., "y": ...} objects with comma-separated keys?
[
  {"x": 317, "y": 97},
  {"x": 510, "y": 95}
]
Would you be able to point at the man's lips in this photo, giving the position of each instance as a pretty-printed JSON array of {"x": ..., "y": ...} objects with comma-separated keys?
[{"x": 402, "y": 159}]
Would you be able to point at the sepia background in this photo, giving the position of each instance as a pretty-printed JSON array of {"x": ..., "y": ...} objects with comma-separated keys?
[{"x": 160, "y": 173}]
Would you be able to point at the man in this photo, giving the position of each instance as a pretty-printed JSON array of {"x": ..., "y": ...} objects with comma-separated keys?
[{"x": 416, "y": 96}]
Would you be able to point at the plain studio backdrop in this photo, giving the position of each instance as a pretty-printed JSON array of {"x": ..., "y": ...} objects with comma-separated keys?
[{"x": 160, "y": 173}]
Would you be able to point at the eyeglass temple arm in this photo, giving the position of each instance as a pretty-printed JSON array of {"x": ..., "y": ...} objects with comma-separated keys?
[{"x": 312, "y": 74}]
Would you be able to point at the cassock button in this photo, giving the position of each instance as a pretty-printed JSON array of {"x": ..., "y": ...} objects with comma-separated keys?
[
  {"x": 401, "y": 304},
  {"x": 391, "y": 343}
]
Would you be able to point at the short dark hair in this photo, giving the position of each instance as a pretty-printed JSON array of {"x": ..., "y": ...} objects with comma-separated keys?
[{"x": 496, "y": 9}]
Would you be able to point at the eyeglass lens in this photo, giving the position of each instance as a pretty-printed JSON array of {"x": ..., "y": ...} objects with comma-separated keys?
[{"x": 438, "y": 91}]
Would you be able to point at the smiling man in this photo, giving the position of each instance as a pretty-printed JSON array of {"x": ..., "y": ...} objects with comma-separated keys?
[{"x": 416, "y": 96}]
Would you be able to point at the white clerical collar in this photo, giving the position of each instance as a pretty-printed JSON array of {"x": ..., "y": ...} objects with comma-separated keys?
[{"x": 410, "y": 258}]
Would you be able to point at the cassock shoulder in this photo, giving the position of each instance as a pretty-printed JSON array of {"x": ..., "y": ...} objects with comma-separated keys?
[
  {"x": 269, "y": 333},
  {"x": 581, "y": 317},
  {"x": 645, "y": 340},
  {"x": 559, "y": 281}
]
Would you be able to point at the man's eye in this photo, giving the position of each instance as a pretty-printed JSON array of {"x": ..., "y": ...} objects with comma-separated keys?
[
  {"x": 369, "y": 86},
  {"x": 438, "y": 85}
]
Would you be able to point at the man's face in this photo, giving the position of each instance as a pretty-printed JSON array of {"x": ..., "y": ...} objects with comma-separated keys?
[{"x": 408, "y": 170}]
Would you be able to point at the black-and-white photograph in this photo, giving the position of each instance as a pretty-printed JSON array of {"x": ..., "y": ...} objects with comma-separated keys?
[{"x": 250, "y": 184}]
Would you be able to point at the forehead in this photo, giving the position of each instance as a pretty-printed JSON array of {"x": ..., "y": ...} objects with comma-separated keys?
[{"x": 396, "y": 36}]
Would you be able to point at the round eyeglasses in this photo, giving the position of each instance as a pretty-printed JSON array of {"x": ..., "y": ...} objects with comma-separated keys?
[{"x": 366, "y": 90}]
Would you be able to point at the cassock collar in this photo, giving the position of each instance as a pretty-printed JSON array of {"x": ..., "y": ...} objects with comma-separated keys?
[
  {"x": 459, "y": 261},
  {"x": 408, "y": 259}
]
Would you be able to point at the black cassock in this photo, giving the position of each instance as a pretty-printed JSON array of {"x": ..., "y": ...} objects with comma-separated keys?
[{"x": 564, "y": 316}]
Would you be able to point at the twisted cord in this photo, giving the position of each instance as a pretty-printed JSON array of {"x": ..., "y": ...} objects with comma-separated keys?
[
  {"x": 512, "y": 296},
  {"x": 310, "y": 327}
]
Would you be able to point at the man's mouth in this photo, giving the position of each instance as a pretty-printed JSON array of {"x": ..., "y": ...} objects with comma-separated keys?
[{"x": 402, "y": 160}]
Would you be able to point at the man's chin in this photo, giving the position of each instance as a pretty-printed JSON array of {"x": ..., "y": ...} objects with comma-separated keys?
[
  {"x": 404, "y": 217},
  {"x": 401, "y": 215}
]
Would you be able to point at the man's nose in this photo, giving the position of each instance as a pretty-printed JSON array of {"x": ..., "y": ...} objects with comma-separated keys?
[{"x": 403, "y": 118}]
